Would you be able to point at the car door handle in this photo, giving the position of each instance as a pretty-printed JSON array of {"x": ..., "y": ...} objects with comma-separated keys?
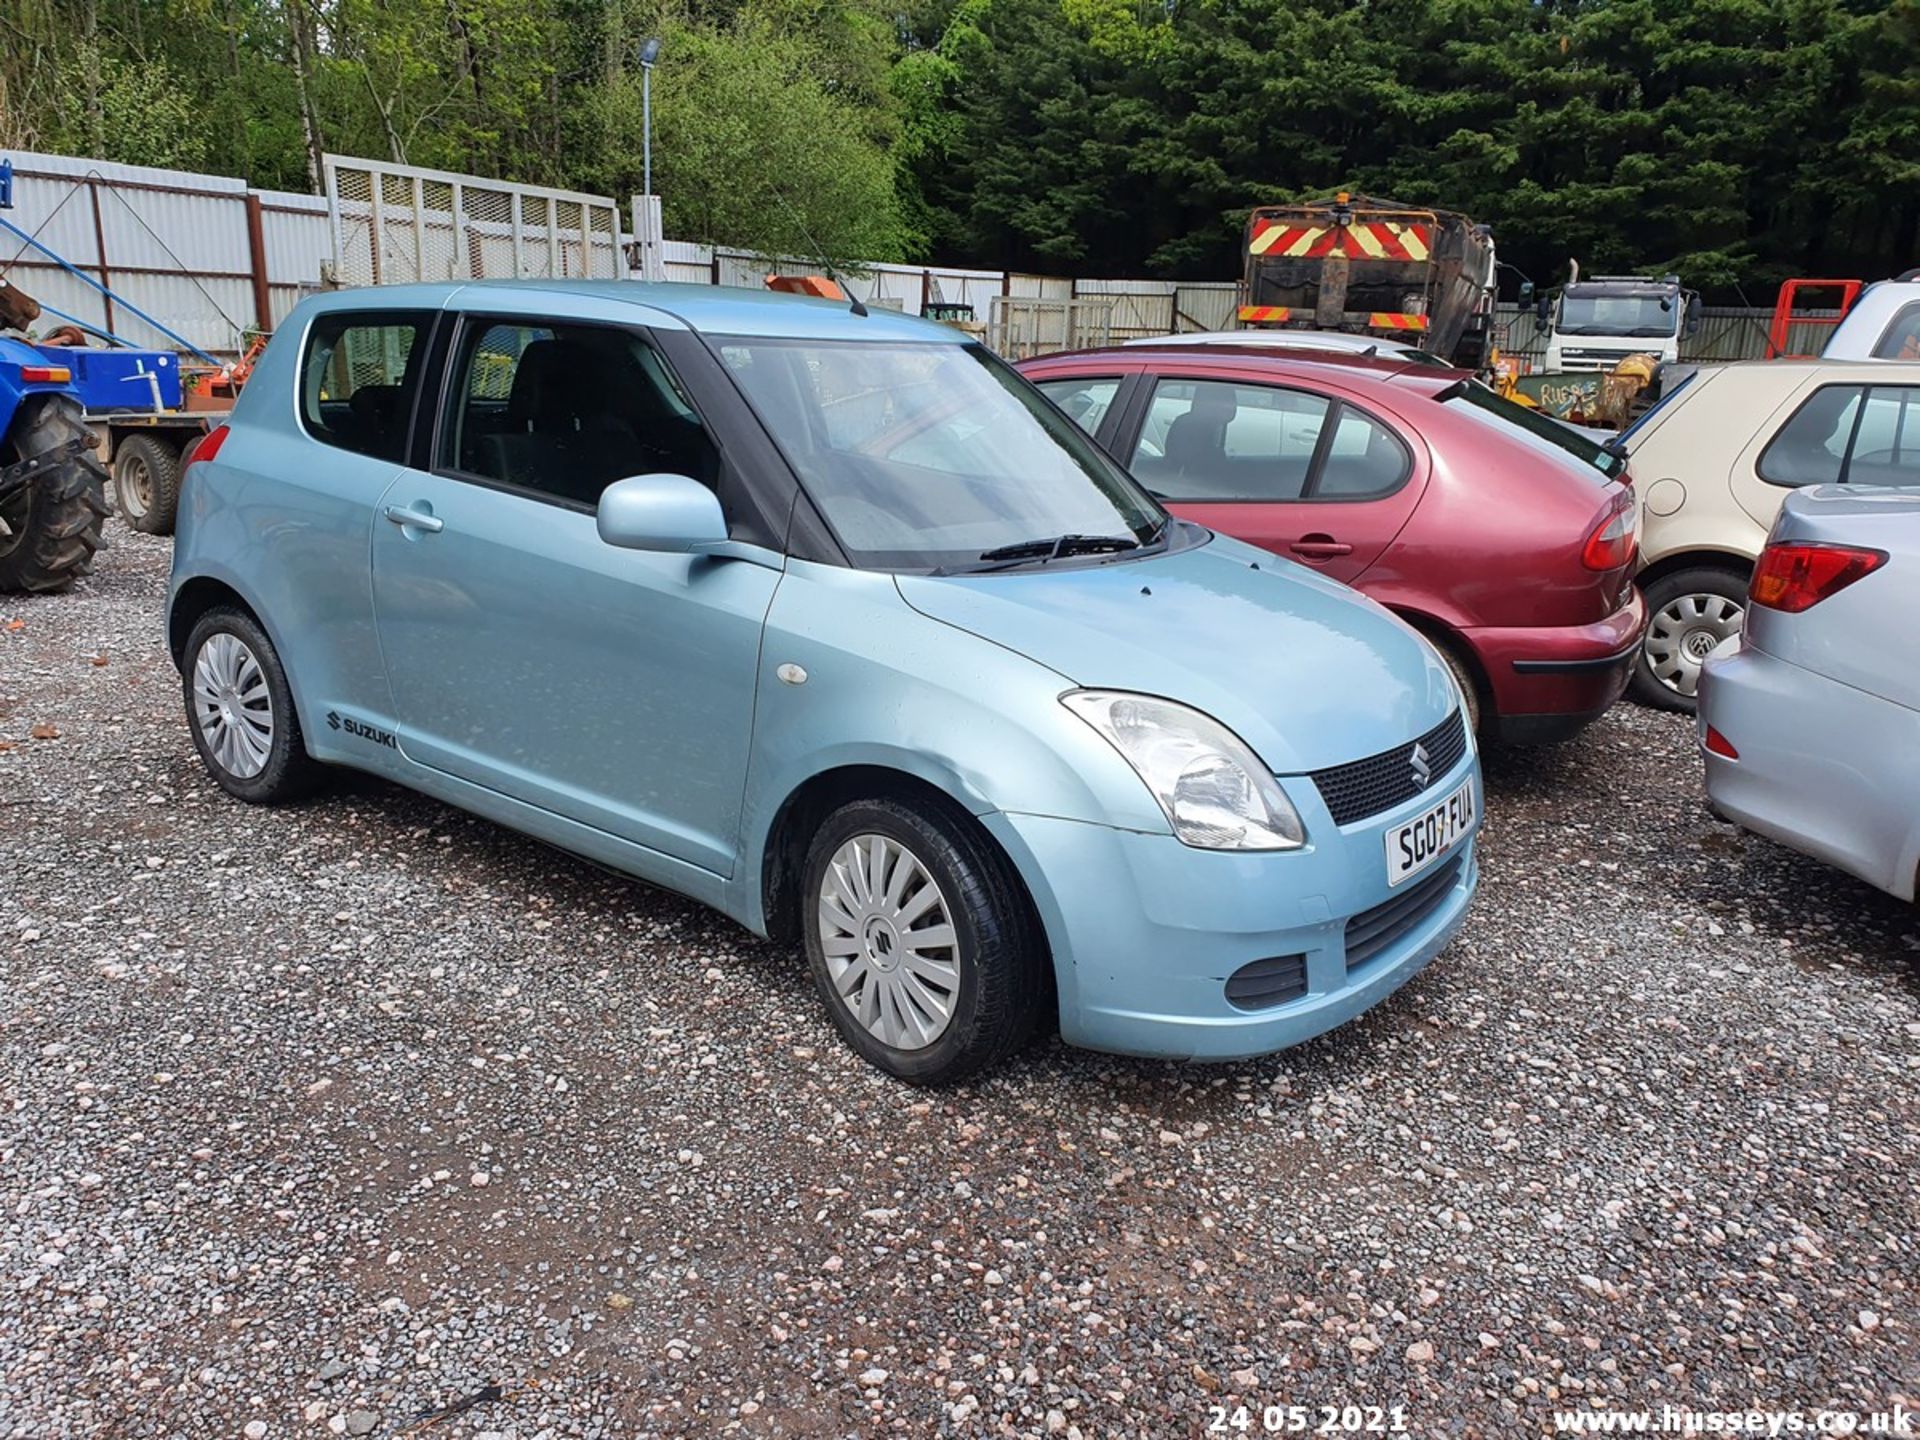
[
  {"x": 415, "y": 519},
  {"x": 1319, "y": 547}
]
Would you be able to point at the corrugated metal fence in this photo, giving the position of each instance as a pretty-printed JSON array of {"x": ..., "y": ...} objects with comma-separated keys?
[
  {"x": 211, "y": 260},
  {"x": 203, "y": 255}
]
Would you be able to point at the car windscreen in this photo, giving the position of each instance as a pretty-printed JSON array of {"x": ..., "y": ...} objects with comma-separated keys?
[
  {"x": 1651, "y": 316},
  {"x": 927, "y": 456},
  {"x": 1537, "y": 431}
]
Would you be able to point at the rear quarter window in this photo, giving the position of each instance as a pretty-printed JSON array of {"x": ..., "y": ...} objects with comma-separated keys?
[
  {"x": 1848, "y": 434},
  {"x": 358, "y": 378},
  {"x": 1901, "y": 339}
]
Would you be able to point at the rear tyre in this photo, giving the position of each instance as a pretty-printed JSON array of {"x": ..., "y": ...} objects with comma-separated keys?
[
  {"x": 146, "y": 483},
  {"x": 1688, "y": 613},
  {"x": 920, "y": 941},
  {"x": 240, "y": 710},
  {"x": 53, "y": 522}
]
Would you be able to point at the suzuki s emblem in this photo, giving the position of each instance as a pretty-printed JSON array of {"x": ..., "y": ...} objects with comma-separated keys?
[{"x": 1422, "y": 766}]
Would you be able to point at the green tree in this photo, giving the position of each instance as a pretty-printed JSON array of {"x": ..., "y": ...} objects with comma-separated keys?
[{"x": 755, "y": 147}]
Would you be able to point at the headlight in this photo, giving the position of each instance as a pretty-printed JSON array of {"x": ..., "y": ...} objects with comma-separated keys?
[{"x": 1215, "y": 792}]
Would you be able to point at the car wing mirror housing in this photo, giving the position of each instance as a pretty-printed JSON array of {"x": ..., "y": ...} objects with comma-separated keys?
[{"x": 674, "y": 514}]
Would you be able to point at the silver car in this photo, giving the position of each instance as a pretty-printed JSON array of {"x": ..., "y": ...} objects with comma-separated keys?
[{"x": 1810, "y": 717}]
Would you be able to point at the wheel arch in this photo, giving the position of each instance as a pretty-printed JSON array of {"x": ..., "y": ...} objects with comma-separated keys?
[
  {"x": 783, "y": 851},
  {"x": 1441, "y": 634},
  {"x": 1732, "y": 561},
  {"x": 195, "y": 598}
]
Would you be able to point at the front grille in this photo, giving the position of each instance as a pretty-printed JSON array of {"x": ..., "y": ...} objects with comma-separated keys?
[
  {"x": 1366, "y": 787},
  {"x": 1269, "y": 982},
  {"x": 1372, "y": 931}
]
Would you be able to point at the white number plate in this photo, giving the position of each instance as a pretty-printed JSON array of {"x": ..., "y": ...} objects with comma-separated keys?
[{"x": 1414, "y": 846}]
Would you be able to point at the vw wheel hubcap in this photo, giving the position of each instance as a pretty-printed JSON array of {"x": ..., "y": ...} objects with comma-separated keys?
[
  {"x": 892, "y": 955},
  {"x": 232, "y": 706},
  {"x": 1684, "y": 633}
]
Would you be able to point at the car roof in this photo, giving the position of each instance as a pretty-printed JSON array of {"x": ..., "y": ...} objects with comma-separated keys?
[
  {"x": 1340, "y": 340},
  {"x": 712, "y": 309},
  {"x": 1354, "y": 366},
  {"x": 1783, "y": 372}
]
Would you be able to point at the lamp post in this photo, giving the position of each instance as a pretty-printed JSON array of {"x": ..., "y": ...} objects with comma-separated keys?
[{"x": 649, "y": 52}]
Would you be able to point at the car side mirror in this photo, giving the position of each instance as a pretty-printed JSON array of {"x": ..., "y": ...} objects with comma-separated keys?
[
  {"x": 673, "y": 514},
  {"x": 1526, "y": 293},
  {"x": 1543, "y": 311},
  {"x": 1693, "y": 315}
]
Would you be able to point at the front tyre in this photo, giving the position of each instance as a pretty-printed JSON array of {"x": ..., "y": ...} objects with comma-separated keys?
[
  {"x": 240, "y": 711},
  {"x": 920, "y": 941}
]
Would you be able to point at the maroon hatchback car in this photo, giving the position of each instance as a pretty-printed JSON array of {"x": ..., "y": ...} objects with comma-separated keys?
[{"x": 1505, "y": 537}]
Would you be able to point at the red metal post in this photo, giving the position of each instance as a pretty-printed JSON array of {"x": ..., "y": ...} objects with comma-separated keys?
[
  {"x": 100, "y": 249},
  {"x": 257, "y": 246}
]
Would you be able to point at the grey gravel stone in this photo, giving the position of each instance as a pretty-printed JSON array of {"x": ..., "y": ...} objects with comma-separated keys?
[{"x": 1645, "y": 1134}]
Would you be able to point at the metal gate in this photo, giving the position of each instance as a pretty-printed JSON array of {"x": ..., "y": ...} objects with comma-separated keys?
[
  {"x": 393, "y": 224},
  {"x": 1020, "y": 327}
]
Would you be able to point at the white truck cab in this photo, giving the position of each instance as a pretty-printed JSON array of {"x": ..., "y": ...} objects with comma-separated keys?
[
  {"x": 1884, "y": 323},
  {"x": 1597, "y": 323}
]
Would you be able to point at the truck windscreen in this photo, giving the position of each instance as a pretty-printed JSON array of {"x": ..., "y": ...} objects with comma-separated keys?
[{"x": 1639, "y": 315}]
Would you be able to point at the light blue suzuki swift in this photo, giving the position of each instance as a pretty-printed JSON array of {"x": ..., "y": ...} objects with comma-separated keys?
[{"x": 829, "y": 620}]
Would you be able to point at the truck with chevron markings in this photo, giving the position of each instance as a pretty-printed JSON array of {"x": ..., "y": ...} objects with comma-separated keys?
[{"x": 1370, "y": 266}]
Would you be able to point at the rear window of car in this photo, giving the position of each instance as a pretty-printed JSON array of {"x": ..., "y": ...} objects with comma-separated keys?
[
  {"x": 1670, "y": 389},
  {"x": 1536, "y": 431},
  {"x": 358, "y": 378}
]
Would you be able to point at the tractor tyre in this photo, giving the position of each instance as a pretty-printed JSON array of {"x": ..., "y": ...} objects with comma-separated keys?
[{"x": 53, "y": 523}]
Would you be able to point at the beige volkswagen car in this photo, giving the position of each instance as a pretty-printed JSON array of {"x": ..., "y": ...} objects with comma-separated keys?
[{"x": 1712, "y": 463}]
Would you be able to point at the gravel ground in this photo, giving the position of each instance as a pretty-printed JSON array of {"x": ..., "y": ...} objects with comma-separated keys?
[{"x": 312, "y": 1120}]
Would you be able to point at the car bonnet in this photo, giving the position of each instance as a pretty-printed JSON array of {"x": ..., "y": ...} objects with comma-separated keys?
[{"x": 1305, "y": 671}]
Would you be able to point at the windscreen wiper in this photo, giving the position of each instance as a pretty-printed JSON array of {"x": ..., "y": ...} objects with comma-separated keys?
[{"x": 1059, "y": 545}]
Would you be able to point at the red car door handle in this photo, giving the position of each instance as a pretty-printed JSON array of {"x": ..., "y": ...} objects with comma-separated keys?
[{"x": 1319, "y": 547}]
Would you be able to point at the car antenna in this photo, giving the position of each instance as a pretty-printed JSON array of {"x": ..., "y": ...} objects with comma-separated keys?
[{"x": 854, "y": 302}]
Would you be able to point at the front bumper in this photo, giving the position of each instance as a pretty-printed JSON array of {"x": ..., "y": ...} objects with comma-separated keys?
[
  {"x": 1550, "y": 682},
  {"x": 1145, "y": 931},
  {"x": 1824, "y": 768}
]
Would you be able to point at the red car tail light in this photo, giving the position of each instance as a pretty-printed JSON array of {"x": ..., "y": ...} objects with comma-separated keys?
[
  {"x": 206, "y": 447},
  {"x": 45, "y": 375},
  {"x": 1615, "y": 536},
  {"x": 1794, "y": 577},
  {"x": 1720, "y": 745}
]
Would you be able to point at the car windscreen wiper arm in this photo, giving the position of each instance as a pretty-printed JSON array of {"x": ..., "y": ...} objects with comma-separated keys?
[{"x": 1060, "y": 545}]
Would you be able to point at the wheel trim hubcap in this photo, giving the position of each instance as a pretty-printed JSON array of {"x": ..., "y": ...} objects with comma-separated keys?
[
  {"x": 888, "y": 935},
  {"x": 232, "y": 705},
  {"x": 1684, "y": 633},
  {"x": 138, "y": 485}
]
